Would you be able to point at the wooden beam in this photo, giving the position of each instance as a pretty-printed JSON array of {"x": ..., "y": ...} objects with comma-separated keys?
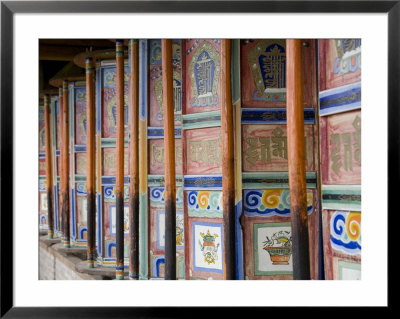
[
  {"x": 134, "y": 161},
  {"x": 90, "y": 162},
  {"x": 58, "y": 52},
  {"x": 119, "y": 52},
  {"x": 65, "y": 159},
  {"x": 49, "y": 167},
  {"x": 169, "y": 153},
  {"x": 296, "y": 161},
  {"x": 228, "y": 177}
]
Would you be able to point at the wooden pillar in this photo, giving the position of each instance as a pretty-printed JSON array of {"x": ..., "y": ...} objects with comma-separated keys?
[
  {"x": 61, "y": 170},
  {"x": 169, "y": 155},
  {"x": 120, "y": 161},
  {"x": 49, "y": 167},
  {"x": 134, "y": 161},
  {"x": 90, "y": 162},
  {"x": 65, "y": 160},
  {"x": 228, "y": 177},
  {"x": 297, "y": 161}
]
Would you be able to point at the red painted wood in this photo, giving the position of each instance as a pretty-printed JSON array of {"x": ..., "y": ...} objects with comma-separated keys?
[
  {"x": 203, "y": 153},
  {"x": 341, "y": 149}
]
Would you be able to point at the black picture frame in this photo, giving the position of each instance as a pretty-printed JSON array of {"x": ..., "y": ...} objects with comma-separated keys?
[{"x": 9, "y": 8}]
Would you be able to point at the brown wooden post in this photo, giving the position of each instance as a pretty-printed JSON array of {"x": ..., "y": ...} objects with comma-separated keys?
[
  {"x": 49, "y": 167},
  {"x": 134, "y": 161},
  {"x": 65, "y": 160},
  {"x": 119, "y": 53},
  {"x": 169, "y": 155},
  {"x": 228, "y": 180},
  {"x": 90, "y": 162},
  {"x": 61, "y": 170},
  {"x": 296, "y": 161}
]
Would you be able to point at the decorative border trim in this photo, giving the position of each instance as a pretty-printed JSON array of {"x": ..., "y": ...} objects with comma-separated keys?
[
  {"x": 271, "y": 180},
  {"x": 199, "y": 182},
  {"x": 341, "y": 197},
  {"x": 272, "y": 116},
  {"x": 201, "y": 120},
  {"x": 80, "y": 148},
  {"x": 341, "y": 99},
  {"x": 158, "y": 132}
]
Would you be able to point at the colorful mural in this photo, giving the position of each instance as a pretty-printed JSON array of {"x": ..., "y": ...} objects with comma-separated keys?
[{"x": 202, "y": 78}]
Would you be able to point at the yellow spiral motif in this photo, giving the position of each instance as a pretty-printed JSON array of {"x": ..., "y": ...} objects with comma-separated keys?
[
  {"x": 353, "y": 225},
  {"x": 202, "y": 199},
  {"x": 271, "y": 197}
]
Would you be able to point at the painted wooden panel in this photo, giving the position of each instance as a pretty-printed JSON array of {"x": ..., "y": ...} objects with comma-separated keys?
[
  {"x": 341, "y": 148},
  {"x": 342, "y": 244},
  {"x": 42, "y": 166},
  {"x": 203, "y": 151},
  {"x": 109, "y": 101},
  {"x": 43, "y": 210},
  {"x": 80, "y": 164},
  {"x": 340, "y": 62},
  {"x": 267, "y": 234},
  {"x": 109, "y": 226},
  {"x": 265, "y": 148},
  {"x": 81, "y": 213},
  {"x": 80, "y": 116},
  {"x": 203, "y": 68},
  {"x": 109, "y": 163},
  {"x": 155, "y": 84},
  {"x": 206, "y": 253},
  {"x": 263, "y": 73},
  {"x": 156, "y": 156}
]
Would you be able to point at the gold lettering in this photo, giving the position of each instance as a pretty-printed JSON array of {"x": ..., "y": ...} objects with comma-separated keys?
[
  {"x": 265, "y": 151},
  {"x": 252, "y": 152},
  {"x": 335, "y": 154},
  {"x": 346, "y": 138},
  {"x": 279, "y": 146}
]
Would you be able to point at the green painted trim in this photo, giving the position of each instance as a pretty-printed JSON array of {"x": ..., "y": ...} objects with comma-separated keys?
[
  {"x": 341, "y": 202},
  {"x": 349, "y": 265},
  {"x": 255, "y": 235},
  {"x": 199, "y": 120},
  {"x": 112, "y": 142},
  {"x": 272, "y": 180},
  {"x": 80, "y": 178}
]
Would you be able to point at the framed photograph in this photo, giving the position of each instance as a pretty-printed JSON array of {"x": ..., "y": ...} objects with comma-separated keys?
[{"x": 199, "y": 221}]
